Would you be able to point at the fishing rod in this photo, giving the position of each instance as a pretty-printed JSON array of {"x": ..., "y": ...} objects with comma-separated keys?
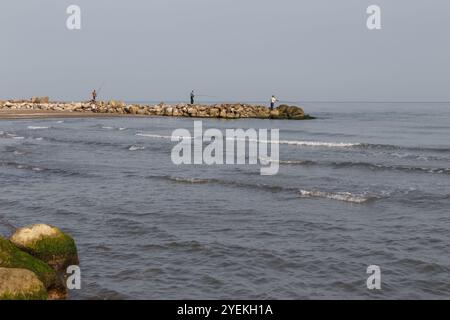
[
  {"x": 204, "y": 95},
  {"x": 101, "y": 87}
]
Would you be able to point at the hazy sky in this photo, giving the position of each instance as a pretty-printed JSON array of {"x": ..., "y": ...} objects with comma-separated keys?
[{"x": 230, "y": 49}]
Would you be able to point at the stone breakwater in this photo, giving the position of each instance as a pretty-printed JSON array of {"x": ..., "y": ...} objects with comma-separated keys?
[
  {"x": 222, "y": 111},
  {"x": 33, "y": 263}
]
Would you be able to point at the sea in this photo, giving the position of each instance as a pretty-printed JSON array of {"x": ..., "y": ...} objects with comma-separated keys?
[{"x": 365, "y": 184}]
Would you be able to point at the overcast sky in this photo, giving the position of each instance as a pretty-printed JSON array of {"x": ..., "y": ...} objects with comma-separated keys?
[{"x": 231, "y": 49}]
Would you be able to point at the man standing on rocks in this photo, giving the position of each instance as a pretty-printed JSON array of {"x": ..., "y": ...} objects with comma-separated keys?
[
  {"x": 94, "y": 96},
  {"x": 192, "y": 97},
  {"x": 273, "y": 100}
]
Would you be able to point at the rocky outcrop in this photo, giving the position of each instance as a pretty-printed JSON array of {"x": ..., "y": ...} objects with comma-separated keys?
[
  {"x": 34, "y": 261},
  {"x": 40, "y": 100},
  {"x": 221, "y": 111},
  {"x": 21, "y": 284},
  {"x": 13, "y": 257},
  {"x": 48, "y": 244},
  {"x": 291, "y": 112}
]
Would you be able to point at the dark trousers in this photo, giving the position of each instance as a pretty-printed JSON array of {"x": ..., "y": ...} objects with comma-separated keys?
[
  {"x": 192, "y": 100},
  {"x": 272, "y": 105}
]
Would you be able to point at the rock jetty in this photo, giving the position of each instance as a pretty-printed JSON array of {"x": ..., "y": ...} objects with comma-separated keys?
[
  {"x": 33, "y": 262},
  {"x": 221, "y": 111}
]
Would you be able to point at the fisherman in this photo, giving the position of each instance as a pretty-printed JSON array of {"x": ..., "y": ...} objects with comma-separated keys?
[
  {"x": 94, "y": 96},
  {"x": 273, "y": 100},
  {"x": 192, "y": 97}
]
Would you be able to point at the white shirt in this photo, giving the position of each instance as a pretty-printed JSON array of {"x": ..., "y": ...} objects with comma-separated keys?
[{"x": 274, "y": 99}]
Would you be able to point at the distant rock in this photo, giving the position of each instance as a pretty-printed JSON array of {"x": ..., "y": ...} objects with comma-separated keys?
[{"x": 40, "y": 100}]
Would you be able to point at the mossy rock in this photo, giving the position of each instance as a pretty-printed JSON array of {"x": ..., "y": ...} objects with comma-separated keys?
[
  {"x": 47, "y": 243},
  {"x": 13, "y": 257},
  {"x": 21, "y": 284}
]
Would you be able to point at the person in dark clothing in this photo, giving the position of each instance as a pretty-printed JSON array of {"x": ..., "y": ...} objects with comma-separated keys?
[
  {"x": 192, "y": 97},
  {"x": 94, "y": 96}
]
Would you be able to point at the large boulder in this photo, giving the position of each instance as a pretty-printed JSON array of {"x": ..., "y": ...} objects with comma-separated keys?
[
  {"x": 21, "y": 284},
  {"x": 40, "y": 100},
  {"x": 13, "y": 257},
  {"x": 290, "y": 112},
  {"x": 47, "y": 243},
  {"x": 116, "y": 104}
]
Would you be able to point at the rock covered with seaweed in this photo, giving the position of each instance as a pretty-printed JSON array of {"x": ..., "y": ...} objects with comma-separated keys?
[{"x": 33, "y": 263}]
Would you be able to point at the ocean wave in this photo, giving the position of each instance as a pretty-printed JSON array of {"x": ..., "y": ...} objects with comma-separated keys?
[
  {"x": 364, "y": 165},
  {"x": 113, "y": 128},
  {"x": 7, "y": 135},
  {"x": 403, "y": 168},
  {"x": 340, "y": 196},
  {"x": 231, "y": 183},
  {"x": 189, "y": 180},
  {"x": 281, "y": 142},
  {"x": 136, "y": 148},
  {"x": 319, "y": 144},
  {"x": 37, "y": 128},
  {"x": 158, "y": 136},
  {"x": 35, "y": 168},
  {"x": 409, "y": 148}
]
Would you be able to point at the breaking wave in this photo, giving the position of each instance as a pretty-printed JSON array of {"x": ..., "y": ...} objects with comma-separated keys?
[
  {"x": 281, "y": 142},
  {"x": 340, "y": 196},
  {"x": 37, "y": 128},
  {"x": 364, "y": 165},
  {"x": 136, "y": 148}
]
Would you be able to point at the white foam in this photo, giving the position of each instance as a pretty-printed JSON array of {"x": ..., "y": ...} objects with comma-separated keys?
[
  {"x": 340, "y": 196},
  {"x": 156, "y": 136},
  {"x": 189, "y": 180},
  {"x": 37, "y": 128},
  {"x": 286, "y": 142},
  {"x": 136, "y": 148},
  {"x": 320, "y": 144}
]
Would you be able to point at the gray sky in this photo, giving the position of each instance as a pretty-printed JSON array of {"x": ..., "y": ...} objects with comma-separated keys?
[{"x": 232, "y": 49}]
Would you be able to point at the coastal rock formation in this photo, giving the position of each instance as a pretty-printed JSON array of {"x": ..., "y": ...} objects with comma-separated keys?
[
  {"x": 40, "y": 100},
  {"x": 221, "y": 111},
  {"x": 48, "y": 244},
  {"x": 21, "y": 284},
  {"x": 13, "y": 257},
  {"x": 290, "y": 112}
]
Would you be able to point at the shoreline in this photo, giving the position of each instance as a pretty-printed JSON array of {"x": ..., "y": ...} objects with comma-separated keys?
[{"x": 43, "y": 108}]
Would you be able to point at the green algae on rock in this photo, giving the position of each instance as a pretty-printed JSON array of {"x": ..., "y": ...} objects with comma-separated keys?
[
  {"x": 48, "y": 244},
  {"x": 21, "y": 284},
  {"x": 13, "y": 257}
]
